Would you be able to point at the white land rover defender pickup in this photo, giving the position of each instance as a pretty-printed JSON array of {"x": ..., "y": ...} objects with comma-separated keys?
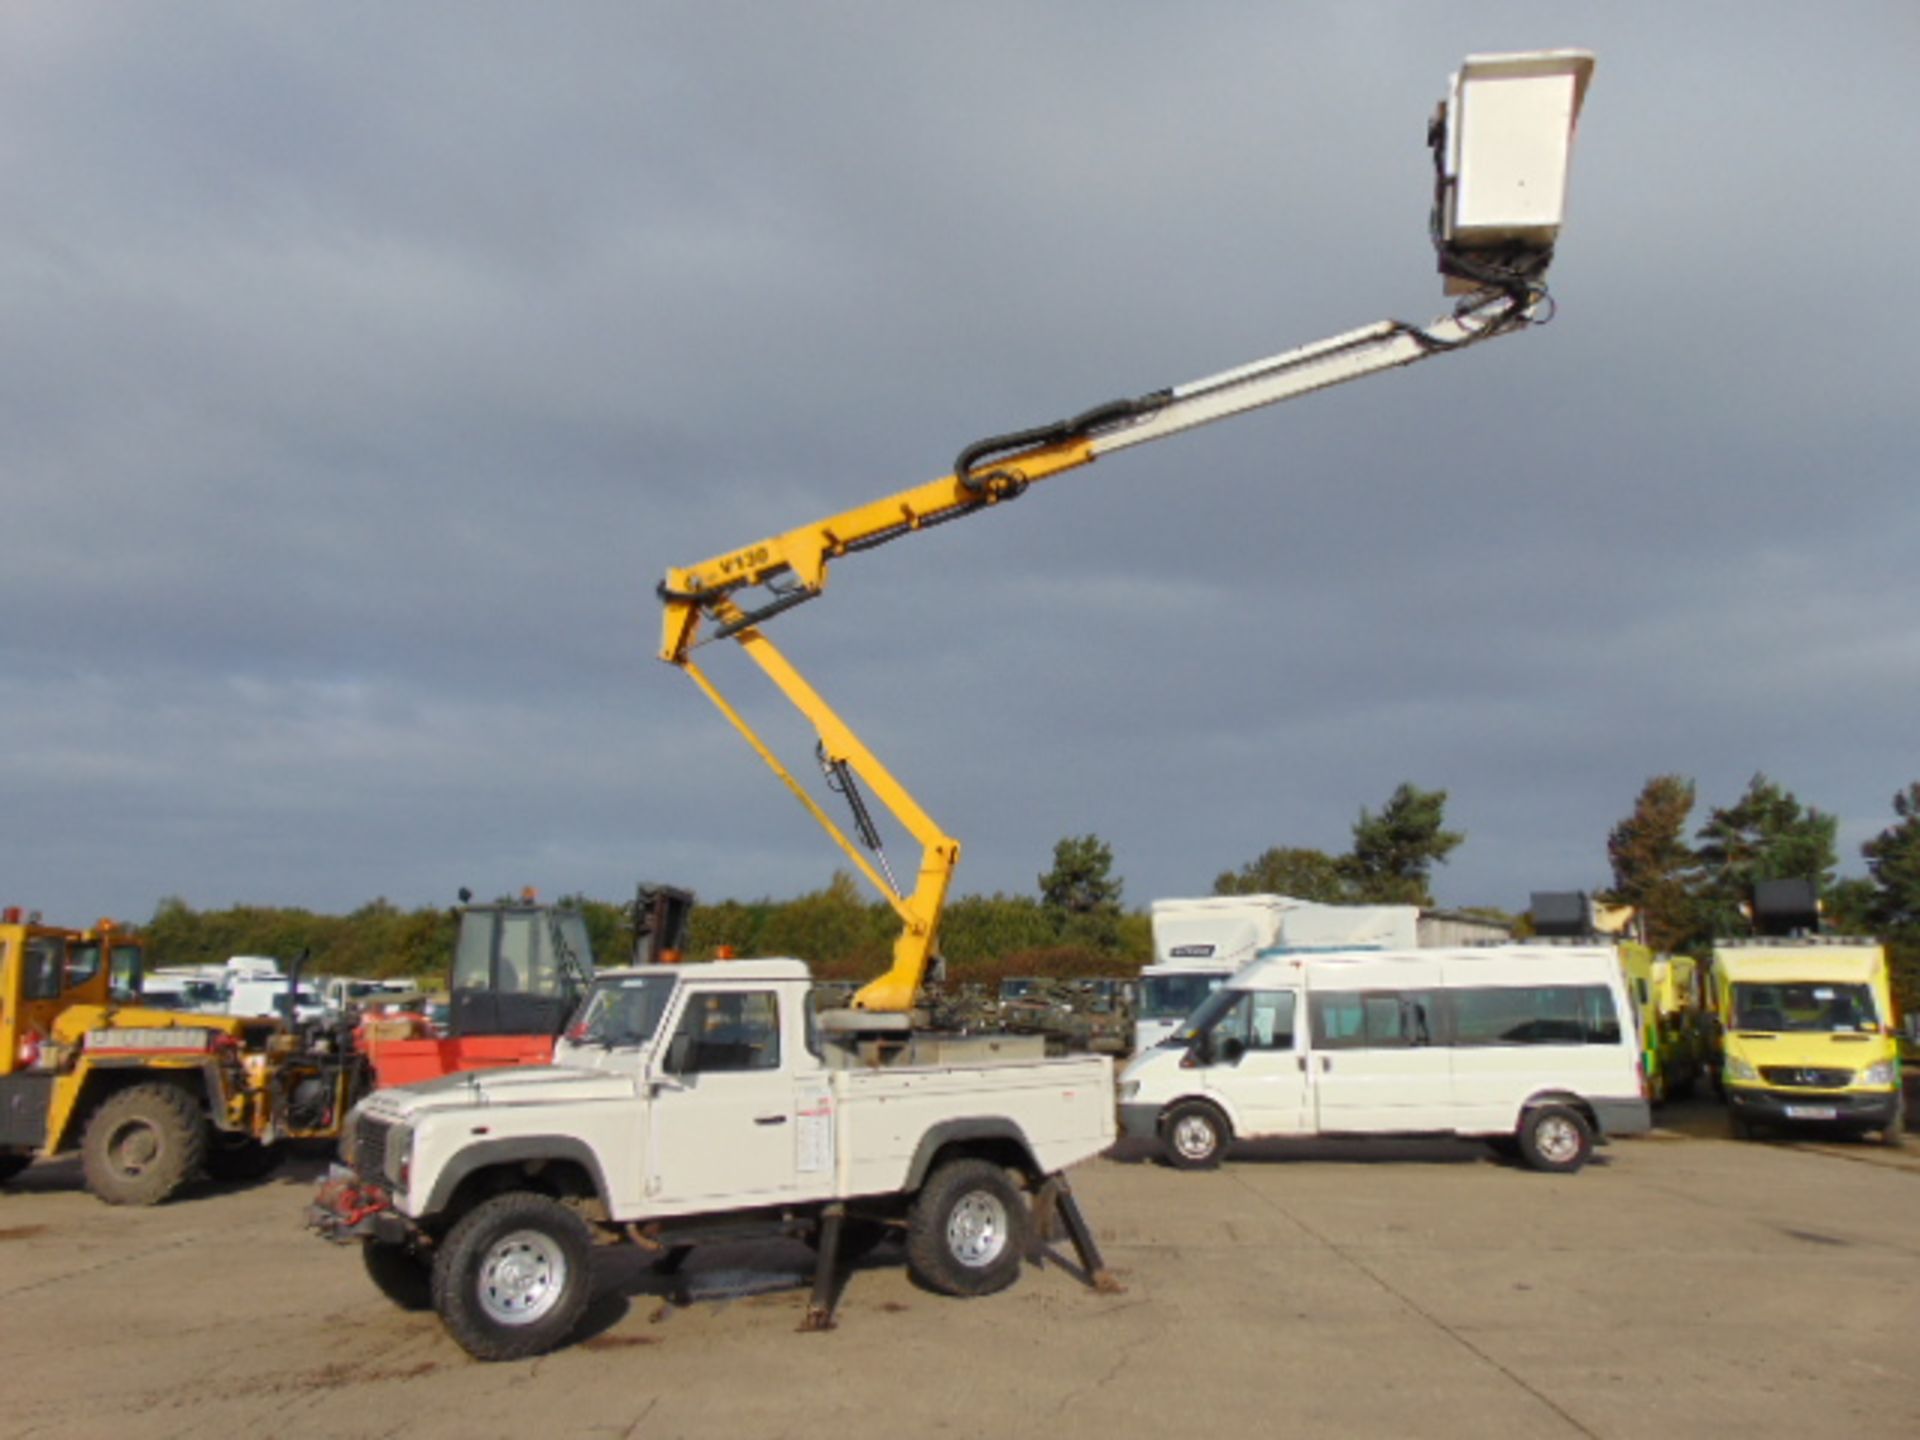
[{"x": 689, "y": 1103}]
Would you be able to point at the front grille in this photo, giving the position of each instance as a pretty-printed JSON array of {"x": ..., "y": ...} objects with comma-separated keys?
[
  {"x": 369, "y": 1158},
  {"x": 1805, "y": 1077}
]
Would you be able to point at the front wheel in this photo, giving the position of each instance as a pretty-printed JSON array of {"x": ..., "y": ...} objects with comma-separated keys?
[
  {"x": 513, "y": 1277},
  {"x": 967, "y": 1230},
  {"x": 1556, "y": 1139},
  {"x": 143, "y": 1144},
  {"x": 1195, "y": 1136}
]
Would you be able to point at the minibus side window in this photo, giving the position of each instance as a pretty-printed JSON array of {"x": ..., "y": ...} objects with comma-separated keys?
[
  {"x": 1535, "y": 1015},
  {"x": 1372, "y": 1019}
]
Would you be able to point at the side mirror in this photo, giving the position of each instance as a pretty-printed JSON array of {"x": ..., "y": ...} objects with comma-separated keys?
[
  {"x": 679, "y": 1052},
  {"x": 1231, "y": 1049}
]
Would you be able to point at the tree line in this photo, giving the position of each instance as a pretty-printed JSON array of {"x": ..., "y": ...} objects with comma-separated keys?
[{"x": 1689, "y": 883}]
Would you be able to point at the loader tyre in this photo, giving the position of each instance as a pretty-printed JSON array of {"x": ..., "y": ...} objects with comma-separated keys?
[
  {"x": 401, "y": 1274},
  {"x": 512, "y": 1278},
  {"x": 12, "y": 1164},
  {"x": 143, "y": 1144},
  {"x": 967, "y": 1230}
]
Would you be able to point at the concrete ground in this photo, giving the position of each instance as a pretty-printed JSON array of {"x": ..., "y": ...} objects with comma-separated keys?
[{"x": 1684, "y": 1285}]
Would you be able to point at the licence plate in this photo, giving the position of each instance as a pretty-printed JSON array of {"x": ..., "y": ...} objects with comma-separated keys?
[{"x": 1812, "y": 1112}]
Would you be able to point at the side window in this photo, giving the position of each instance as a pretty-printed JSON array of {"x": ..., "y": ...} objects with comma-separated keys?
[
  {"x": 1535, "y": 1015},
  {"x": 1372, "y": 1019},
  {"x": 83, "y": 963},
  {"x": 1271, "y": 1024},
  {"x": 125, "y": 972},
  {"x": 723, "y": 1030},
  {"x": 44, "y": 957},
  {"x": 473, "y": 960}
]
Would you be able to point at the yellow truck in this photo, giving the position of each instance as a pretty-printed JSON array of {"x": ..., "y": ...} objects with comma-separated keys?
[
  {"x": 1808, "y": 1037},
  {"x": 152, "y": 1098}
]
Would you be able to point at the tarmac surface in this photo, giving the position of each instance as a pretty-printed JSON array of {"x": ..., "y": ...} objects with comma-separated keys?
[{"x": 1684, "y": 1284}]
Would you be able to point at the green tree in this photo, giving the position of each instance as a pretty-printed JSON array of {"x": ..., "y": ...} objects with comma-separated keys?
[
  {"x": 1654, "y": 868},
  {"x": 1765, "y": 835},
  {"x": 1287, "y": 870},
  {"x": 1893, "y": 860},
  {"x": 1395, "y": 851},
  {"x": 1080, "y": 893}
]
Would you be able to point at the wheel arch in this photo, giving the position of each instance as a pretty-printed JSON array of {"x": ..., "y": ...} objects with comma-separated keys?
[
  {"x": 562, "y": 1167},
  {"x": 1540, "y": 1099},
  {"x": 989, "y": 1137},
  {"x": 1213, "y": 1102},
  {"x": 99, "y": 1082}
]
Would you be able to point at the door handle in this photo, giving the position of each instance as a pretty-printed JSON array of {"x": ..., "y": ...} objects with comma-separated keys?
[
  {"x": 769, "y": 1119},
  {"x": 1326, "y": 1063}
]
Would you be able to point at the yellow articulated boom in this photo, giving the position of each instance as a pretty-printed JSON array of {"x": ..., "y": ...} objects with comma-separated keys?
[{"x": 1501, "y": 143}]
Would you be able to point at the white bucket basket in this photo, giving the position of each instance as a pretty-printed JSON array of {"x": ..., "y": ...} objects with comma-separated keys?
[{"x": 1504, "y": 143}]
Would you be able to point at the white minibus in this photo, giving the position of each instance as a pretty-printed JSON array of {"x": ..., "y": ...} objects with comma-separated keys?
[{"x": 1531, "y": 1047}]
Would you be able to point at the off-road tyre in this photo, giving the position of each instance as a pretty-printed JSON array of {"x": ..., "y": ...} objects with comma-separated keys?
[
  {"x": 968, "y": 1230},
  {"x": 1194, "y": 1136},
  {"x": 400, "y": 1273},
  {"x": 1555, "y": 1138},
  {"x": 513, "y": 1276},
  {"x": 143, "y": 1144},
  {"x": 236, "y": 1161},
  {"x": 12, "y": 1163}
]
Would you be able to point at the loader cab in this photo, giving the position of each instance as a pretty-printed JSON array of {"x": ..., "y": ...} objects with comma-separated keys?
[
  {"x": 47, "y": 969},
  {"x": 519, "y": 968}
]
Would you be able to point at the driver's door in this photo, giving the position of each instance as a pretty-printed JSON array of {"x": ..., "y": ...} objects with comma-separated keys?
[
  {"x": 1256, "y": 1065},
  {"x": 723, "y": 1113}
]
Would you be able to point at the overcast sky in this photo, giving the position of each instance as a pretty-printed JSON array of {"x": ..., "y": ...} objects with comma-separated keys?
[{"x": 366, "y": 365}]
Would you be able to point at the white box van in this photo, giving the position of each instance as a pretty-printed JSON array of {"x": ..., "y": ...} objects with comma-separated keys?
[
  {"x": 1198, "y": 943},
  {"x": 1530, "y": 1047}
]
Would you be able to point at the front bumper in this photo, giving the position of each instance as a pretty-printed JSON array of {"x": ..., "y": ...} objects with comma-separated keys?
[
  {"x": 1856, "y": 1109},
  {"x": 1140, "y": 1122},
  {"x": 347, "y": 1208}
]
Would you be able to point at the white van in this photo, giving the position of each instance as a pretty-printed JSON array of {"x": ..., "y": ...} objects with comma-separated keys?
[{"x": 1532, "y": 1048}]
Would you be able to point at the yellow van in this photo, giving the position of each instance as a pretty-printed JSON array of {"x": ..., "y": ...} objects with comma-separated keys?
[{"x": 1808, "y": 1036}]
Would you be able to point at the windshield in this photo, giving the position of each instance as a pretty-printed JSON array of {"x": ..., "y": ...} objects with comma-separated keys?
[
  {"x": 1174, "y": 997},
  {"x": 1809, "y": 1006},
  {"x": 622, "y": 1012}
]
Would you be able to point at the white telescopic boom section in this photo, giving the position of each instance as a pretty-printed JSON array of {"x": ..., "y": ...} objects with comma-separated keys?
[{"x": 1311, "y": 367}]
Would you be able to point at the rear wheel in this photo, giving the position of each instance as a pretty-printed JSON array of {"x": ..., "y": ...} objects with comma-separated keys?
[
  {"x": 1556, "y": 1139},
  {"x": 1195, "y": 1136},
  {"x": 967, "y": 1230},
  {"x": 143, "y": 1144},
  {"x": 513, "y": 1277}
]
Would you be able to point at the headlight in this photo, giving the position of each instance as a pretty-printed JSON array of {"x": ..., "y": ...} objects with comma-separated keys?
[
  {"x": 1880, "y": 1074},
  {"x": 399, "y": 1156},
  {"x": 1738, "y": 1069},
  {"x": 1128, "y": 1089}
]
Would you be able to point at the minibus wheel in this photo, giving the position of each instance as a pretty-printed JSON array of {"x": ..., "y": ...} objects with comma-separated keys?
[
  {"x": 1196, "y": 1136},
  {"x": 1556, "y": 1138}
]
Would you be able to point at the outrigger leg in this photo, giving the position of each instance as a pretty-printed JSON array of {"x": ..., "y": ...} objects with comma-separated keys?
[{"x": 1056, "y": 1198}]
